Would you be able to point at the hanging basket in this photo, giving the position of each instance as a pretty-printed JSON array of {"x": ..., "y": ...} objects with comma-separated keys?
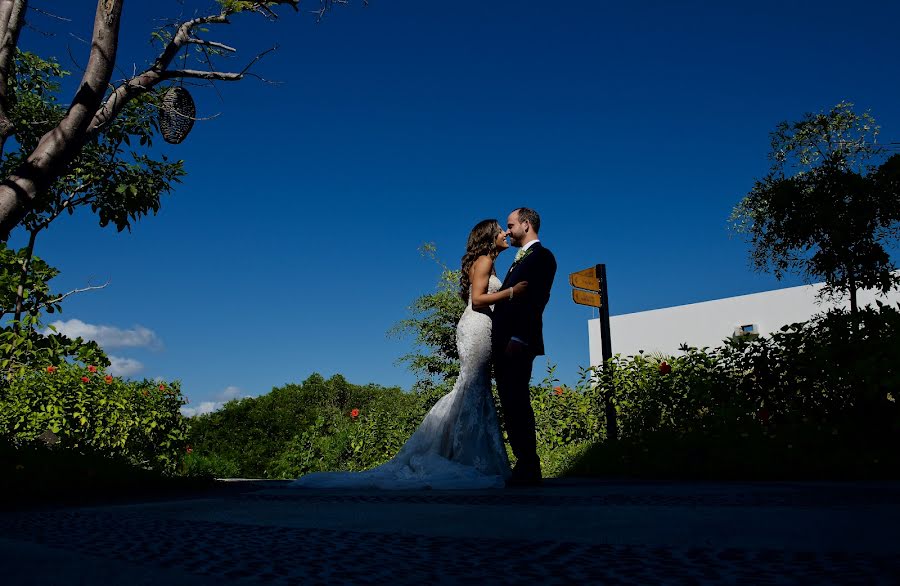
[{"x": 176, "y": 114}]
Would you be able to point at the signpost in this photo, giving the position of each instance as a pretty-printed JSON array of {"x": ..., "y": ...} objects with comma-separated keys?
[{"x": 590, "y": 289}]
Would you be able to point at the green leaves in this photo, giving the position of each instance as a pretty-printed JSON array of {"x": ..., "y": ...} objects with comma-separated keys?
[
  {"x": 134, "y": 421},
  {"x": 113, "y": 175},
  {"x": 23, "y": 345},
  {"x": 826, "y": 209},
  {"x": 836, "y": 368},
  {"x": 161, "y": 36},
  {"x": 432, "y": 325},
  {"x": 305, "y": 427},
  {"x": 235, "y": 6}
]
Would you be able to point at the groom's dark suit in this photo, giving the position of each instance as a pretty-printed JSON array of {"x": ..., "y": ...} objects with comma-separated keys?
[{"x": 522, "y": 318}]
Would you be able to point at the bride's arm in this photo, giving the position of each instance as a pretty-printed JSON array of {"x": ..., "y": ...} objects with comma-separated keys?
[{"x": 479, "y": 275}]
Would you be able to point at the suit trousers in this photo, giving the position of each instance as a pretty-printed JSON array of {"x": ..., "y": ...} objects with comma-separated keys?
[{"x": 513, "y": 374}]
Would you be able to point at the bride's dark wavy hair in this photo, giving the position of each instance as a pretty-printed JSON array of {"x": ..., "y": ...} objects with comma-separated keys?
[{"x": 481, "y": 243}]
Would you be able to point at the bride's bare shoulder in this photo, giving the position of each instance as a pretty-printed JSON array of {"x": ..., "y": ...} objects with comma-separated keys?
[{"x": 482, "y": 265}]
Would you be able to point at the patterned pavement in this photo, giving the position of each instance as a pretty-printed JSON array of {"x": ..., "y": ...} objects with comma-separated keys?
[{"x": 270, "y": 548}]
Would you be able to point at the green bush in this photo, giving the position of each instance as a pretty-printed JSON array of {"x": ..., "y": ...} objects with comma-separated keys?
[
  {"x": 308, "y": 427},
  {"x": 80, "y": 409},
  {"x": 209, "y": 466},
  {"x": 836, "y": 368},
  {"x": 566, "y": 420},
  {"x": 324, "y": 425},
  {"x": 815, "y": 399},
  {"x": 342, "y": 441}
]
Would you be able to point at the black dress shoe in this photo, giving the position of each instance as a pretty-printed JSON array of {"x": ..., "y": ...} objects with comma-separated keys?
[
  {"x": 525, "y": 476},
  {"x": 523, "y": 481}
]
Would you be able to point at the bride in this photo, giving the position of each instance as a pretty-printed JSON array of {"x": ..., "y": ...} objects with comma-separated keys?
[{"x": 458, "y": 444}]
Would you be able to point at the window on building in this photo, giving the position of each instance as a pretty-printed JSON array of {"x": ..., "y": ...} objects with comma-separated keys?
[{"x": 746, "y": 330}]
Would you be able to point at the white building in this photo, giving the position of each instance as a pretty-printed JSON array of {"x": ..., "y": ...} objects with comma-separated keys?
[{"x": 710, "y": 322}]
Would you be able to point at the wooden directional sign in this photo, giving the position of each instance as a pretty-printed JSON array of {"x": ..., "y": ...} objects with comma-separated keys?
[
  {"x": 591, "y": 272},
  {"x": 590, "y": 288},
  {"x": 586, "y": 298},
  {"x": 580, "y": 281},
  {"x": 586, "y": 279}
]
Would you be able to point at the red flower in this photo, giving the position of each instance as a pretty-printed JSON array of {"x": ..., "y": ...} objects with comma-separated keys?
[
  {"x": 665, "y": 367},
  {"x": 763, "y": 415},
  {"x": 189, "y": 450},
  {"x": 84, "y": 379},
  {"x": 108, "y": 378},
  {"x": 162, "y": 387},
  {"x": 354, "y": 413},
  {"x": 558, "y": 391},
  {"x": 92, "y": 368},
  {"x": 51, "y": 369}
]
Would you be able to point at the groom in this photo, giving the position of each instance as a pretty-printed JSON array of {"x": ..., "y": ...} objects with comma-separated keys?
[{"x": 518, "y": 337}]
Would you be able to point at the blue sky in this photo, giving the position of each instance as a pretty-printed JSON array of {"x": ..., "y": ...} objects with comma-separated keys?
[{"x": 292, "y": 245}]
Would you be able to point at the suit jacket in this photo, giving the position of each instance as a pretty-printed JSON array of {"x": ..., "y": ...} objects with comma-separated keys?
[{"x": 522, "y": 317}]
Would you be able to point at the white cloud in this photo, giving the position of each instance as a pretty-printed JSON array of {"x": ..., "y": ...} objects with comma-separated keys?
[
  {"x": 229, "y": 393},
  {"x": 123, "y": 366},
  {"x": 219, "y": 400},
  {"x": 109, "y": 336},
  {"x": 201, "y": 409}
]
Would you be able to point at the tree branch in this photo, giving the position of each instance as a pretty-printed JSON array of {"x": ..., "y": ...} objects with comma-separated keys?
[
  {"x": 215, "y": 75},
  {"x": 50, "y": 302},
  {"x": 257, "y": 58},
  {"x": 212, "y": 44},
  {"x": 50, "y": 14},
  {"x": 70, "y": 202},
  {"x": 159, "y": 70},
  {"x": 199, "y": 74},
  {"x": 209, "y": 62},
  {"x": 89, "y": 113}
]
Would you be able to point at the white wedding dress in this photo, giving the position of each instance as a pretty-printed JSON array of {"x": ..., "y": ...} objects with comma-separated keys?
[{"x": 458, "y": 444}]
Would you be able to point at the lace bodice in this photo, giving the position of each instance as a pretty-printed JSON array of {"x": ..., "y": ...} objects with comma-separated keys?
[{"x": 494, "y": 285}]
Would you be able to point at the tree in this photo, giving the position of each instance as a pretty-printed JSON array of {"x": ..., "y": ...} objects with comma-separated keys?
[
  {"x": 432, "y": 323},
  {"x": 117, "y": 181},
  {"x": 23, "y": 345},
  {"x": 96, "y": 103},
  {"x": 830, "y": 205}
]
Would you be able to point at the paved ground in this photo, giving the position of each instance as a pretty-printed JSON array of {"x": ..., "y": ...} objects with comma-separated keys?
[{"x": 597, "y": 532}]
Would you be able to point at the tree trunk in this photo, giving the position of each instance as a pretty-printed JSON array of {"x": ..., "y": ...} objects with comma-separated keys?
[
  {"x": 58, "y": 147},
  {"x": 23, "y": 277},
  {"x": 12, "y": 15},
  {"x": 851, "y": 279}
]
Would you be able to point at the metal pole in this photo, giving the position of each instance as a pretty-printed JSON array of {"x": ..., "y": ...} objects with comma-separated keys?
[
  {"x": 612, "y": 425},
  {"x": 606, "y": 343}
]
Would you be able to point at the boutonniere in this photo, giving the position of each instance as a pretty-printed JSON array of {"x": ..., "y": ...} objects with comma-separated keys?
[{"x": 520, "y": 256}]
